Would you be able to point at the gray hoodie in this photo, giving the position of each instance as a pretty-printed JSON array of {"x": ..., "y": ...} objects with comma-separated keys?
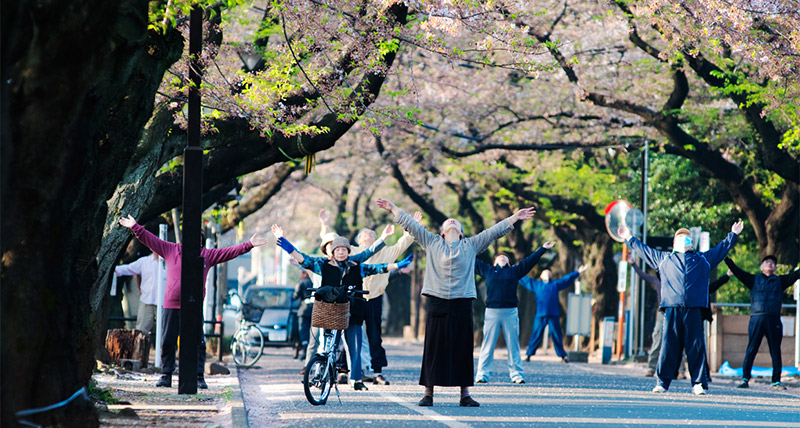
[{"x": 450, "y": 269}]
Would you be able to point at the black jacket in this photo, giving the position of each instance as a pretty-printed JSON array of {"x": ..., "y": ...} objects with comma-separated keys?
[
  {"x": 766, "y": 292},
  {"x": 340, "y": 278}
]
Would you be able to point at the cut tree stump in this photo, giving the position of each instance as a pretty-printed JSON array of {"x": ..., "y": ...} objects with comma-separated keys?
[{"x": 124, "y": 344}]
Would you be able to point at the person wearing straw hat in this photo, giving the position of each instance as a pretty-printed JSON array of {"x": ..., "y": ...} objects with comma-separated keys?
[
  {"x": 373, "y": 355},
  {"x": 339, "y": 271},
  {"x": 449, "y": 287},
  {"x": 684, "y": 276}
]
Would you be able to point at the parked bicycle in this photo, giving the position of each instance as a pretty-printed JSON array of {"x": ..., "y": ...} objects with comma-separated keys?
[
  {"x": 247, "y": 344},
  {"x": 320, "y": 373}
]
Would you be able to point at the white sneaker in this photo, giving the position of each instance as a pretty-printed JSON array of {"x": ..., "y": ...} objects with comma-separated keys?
[
  {"x": 697, "y": 389},
  {"x": 659, "y": 389}
]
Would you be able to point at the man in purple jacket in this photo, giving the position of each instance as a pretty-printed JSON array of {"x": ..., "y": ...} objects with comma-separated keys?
[{"x": 171, "y": 253}]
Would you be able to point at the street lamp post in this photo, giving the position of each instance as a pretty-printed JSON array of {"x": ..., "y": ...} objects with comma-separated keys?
[{"x": 191, "y": 261}]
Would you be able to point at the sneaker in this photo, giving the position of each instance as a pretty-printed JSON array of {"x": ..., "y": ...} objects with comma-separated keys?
[
  {"x": 380, "y": 380},
  {"x": 468, "y": 402},
  {"x": 659, "y": 389},
  {"x": 564, "y": 360},
  {"x": 778, "y": 385},
  {"x": 342, "y": 379},
  {"x": 201, "y": 382},
  {"x": 650, "y": 373},
  {"x": 481, "y": 381},
  {"x": 744, "y": 384},
  {"x": 427, "y": 401},
  {"x": 165, "y": 381},
  {"x": 698, "y": 389},
  {"x": 518, "y": 381},
  {"x": 367, "y": 378},
  {"x": 359, "y": 386}
]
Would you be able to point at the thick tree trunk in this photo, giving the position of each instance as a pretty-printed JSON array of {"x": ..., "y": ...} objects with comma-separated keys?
[{"x": 66, "y": 137}]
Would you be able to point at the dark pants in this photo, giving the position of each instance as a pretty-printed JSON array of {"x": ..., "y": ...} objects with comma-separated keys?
[
  {"x": 683, "y": 331},
  {"x": 760, "y": 326},
  {"x": 171, "y": 324},
  {"x": 372, "y": 321},
  {"x": 539, "y": 323},
  {"x": 305, "y": 331}
]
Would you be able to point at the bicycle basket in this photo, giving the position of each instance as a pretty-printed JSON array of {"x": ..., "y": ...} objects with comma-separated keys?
[
  {"x": 331, "y": 316},
  {"x": 251, "y": 313}
]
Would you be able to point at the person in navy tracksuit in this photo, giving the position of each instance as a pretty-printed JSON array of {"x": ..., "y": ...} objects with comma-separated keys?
[
  {"x": 684, "y": 276},
  {"x": 766, "y": 293},
  {"x": 547, "y": 310},
  {"x": 501, "y": 311}
]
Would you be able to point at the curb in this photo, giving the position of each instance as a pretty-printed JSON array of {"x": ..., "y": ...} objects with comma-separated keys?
[{"x": 238, "y": 412}]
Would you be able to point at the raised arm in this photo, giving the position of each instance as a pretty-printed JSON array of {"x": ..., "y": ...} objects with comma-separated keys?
[
  {"x": 377, "y": 269},
  {"x": 522, "y": 268},
  {"x": 719, "y": 282},
  {"x": 567, "y": 280},
  {"x": 789, "y": 279},
  {"x": 482, "y": 240},
  {"x": 651, "y": 256},
  {"x": 481, "y": 267},
  {"x": 324, "y": 219},
  {"x": 651, "y": 280},
  {"x": 287, "y": 246},
  {"x": 422, "y": 235},
  {"x": 718, "y": 253},
  {"x": 144, "y": 236},
  {"x": 748, "y": 279}
]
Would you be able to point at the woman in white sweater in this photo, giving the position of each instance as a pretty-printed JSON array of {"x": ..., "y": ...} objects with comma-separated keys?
[{"x": 449, "y": 286}]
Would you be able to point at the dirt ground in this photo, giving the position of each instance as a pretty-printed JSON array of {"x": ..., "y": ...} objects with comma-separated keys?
[{"x": 131, "y": 399}]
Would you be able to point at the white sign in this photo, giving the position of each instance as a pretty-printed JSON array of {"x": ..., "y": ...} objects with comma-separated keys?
[
  {"x": 705, "y": 241},
  {"x": 622, "y": 276}
]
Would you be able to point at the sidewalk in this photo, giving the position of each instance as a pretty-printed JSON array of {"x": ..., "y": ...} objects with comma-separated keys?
[{"x": 132, "y": 399}]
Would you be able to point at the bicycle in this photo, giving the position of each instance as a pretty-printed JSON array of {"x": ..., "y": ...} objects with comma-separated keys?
[
  {"x": 320, "y": 373},
  {"x": 247, "y": 344}
]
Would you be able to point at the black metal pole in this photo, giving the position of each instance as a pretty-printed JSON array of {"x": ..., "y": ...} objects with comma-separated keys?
[{"x": 191, "y": 262}]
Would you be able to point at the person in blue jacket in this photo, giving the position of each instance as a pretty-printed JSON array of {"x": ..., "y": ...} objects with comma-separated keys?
[
  {"x": 501, "y": 311},
  {"x": 548, "y": 312},
  {"x": 684, "y": 276},
  {"x": 766, "y": 294}
]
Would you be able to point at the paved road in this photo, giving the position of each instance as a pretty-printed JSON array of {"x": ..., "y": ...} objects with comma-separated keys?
[{"x": 555, "y": 395}]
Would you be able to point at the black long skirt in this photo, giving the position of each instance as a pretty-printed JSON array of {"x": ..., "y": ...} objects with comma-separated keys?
[{"x": 447, "y": 356}]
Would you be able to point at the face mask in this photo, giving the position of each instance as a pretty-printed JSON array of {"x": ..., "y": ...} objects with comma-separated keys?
[{"x": 683, "y": 243}]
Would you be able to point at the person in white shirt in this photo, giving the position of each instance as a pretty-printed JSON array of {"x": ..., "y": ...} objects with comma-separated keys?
[{"x": 147, "y": 268}]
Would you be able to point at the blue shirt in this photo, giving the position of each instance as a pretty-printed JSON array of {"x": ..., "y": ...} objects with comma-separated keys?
[
  {"x": 684, "y": 276},
  {"x": 501, "y": 282},
  {"x": 547, "y": 293}
]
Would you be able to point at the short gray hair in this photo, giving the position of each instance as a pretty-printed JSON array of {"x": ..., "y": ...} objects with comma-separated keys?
[{"x": 366, "y": 229}]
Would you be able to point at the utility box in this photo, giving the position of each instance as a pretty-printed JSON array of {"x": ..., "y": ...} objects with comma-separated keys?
[{"x": 607, "y": 328}]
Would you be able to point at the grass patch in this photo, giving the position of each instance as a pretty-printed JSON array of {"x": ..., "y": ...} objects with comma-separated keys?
[{"x": 103, "y": 395}]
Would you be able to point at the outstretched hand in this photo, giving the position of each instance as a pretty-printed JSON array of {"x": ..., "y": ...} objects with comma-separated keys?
[
  {"x": 629, "y": 259},
  {"x": 128, "y": 221},
  {"x": 624, "y": 233},
  {"x": 324, "y": 216},
  {"x": 417, "y": 216},
  {"x": 256, "y": 241},
  {"x": 386, "y": 204},
  {"x": 277, "y": 231},
  {"x": 387, "y": 232},
  {"x": 548, "y": 245},
  {"x": 582, "y": 268},
  {"x": 524, "y": 214},
  {"x": 737, "y": 227},
  {"x": 406, "y": 261}
]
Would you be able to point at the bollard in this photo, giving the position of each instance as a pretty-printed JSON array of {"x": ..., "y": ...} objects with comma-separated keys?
[{"x": 607, "y": 339}]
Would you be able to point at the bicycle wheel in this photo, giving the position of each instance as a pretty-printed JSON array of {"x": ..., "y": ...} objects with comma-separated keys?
[
  {"x": 318, "y": 379},
  {"x": 247, "y": 346}
]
